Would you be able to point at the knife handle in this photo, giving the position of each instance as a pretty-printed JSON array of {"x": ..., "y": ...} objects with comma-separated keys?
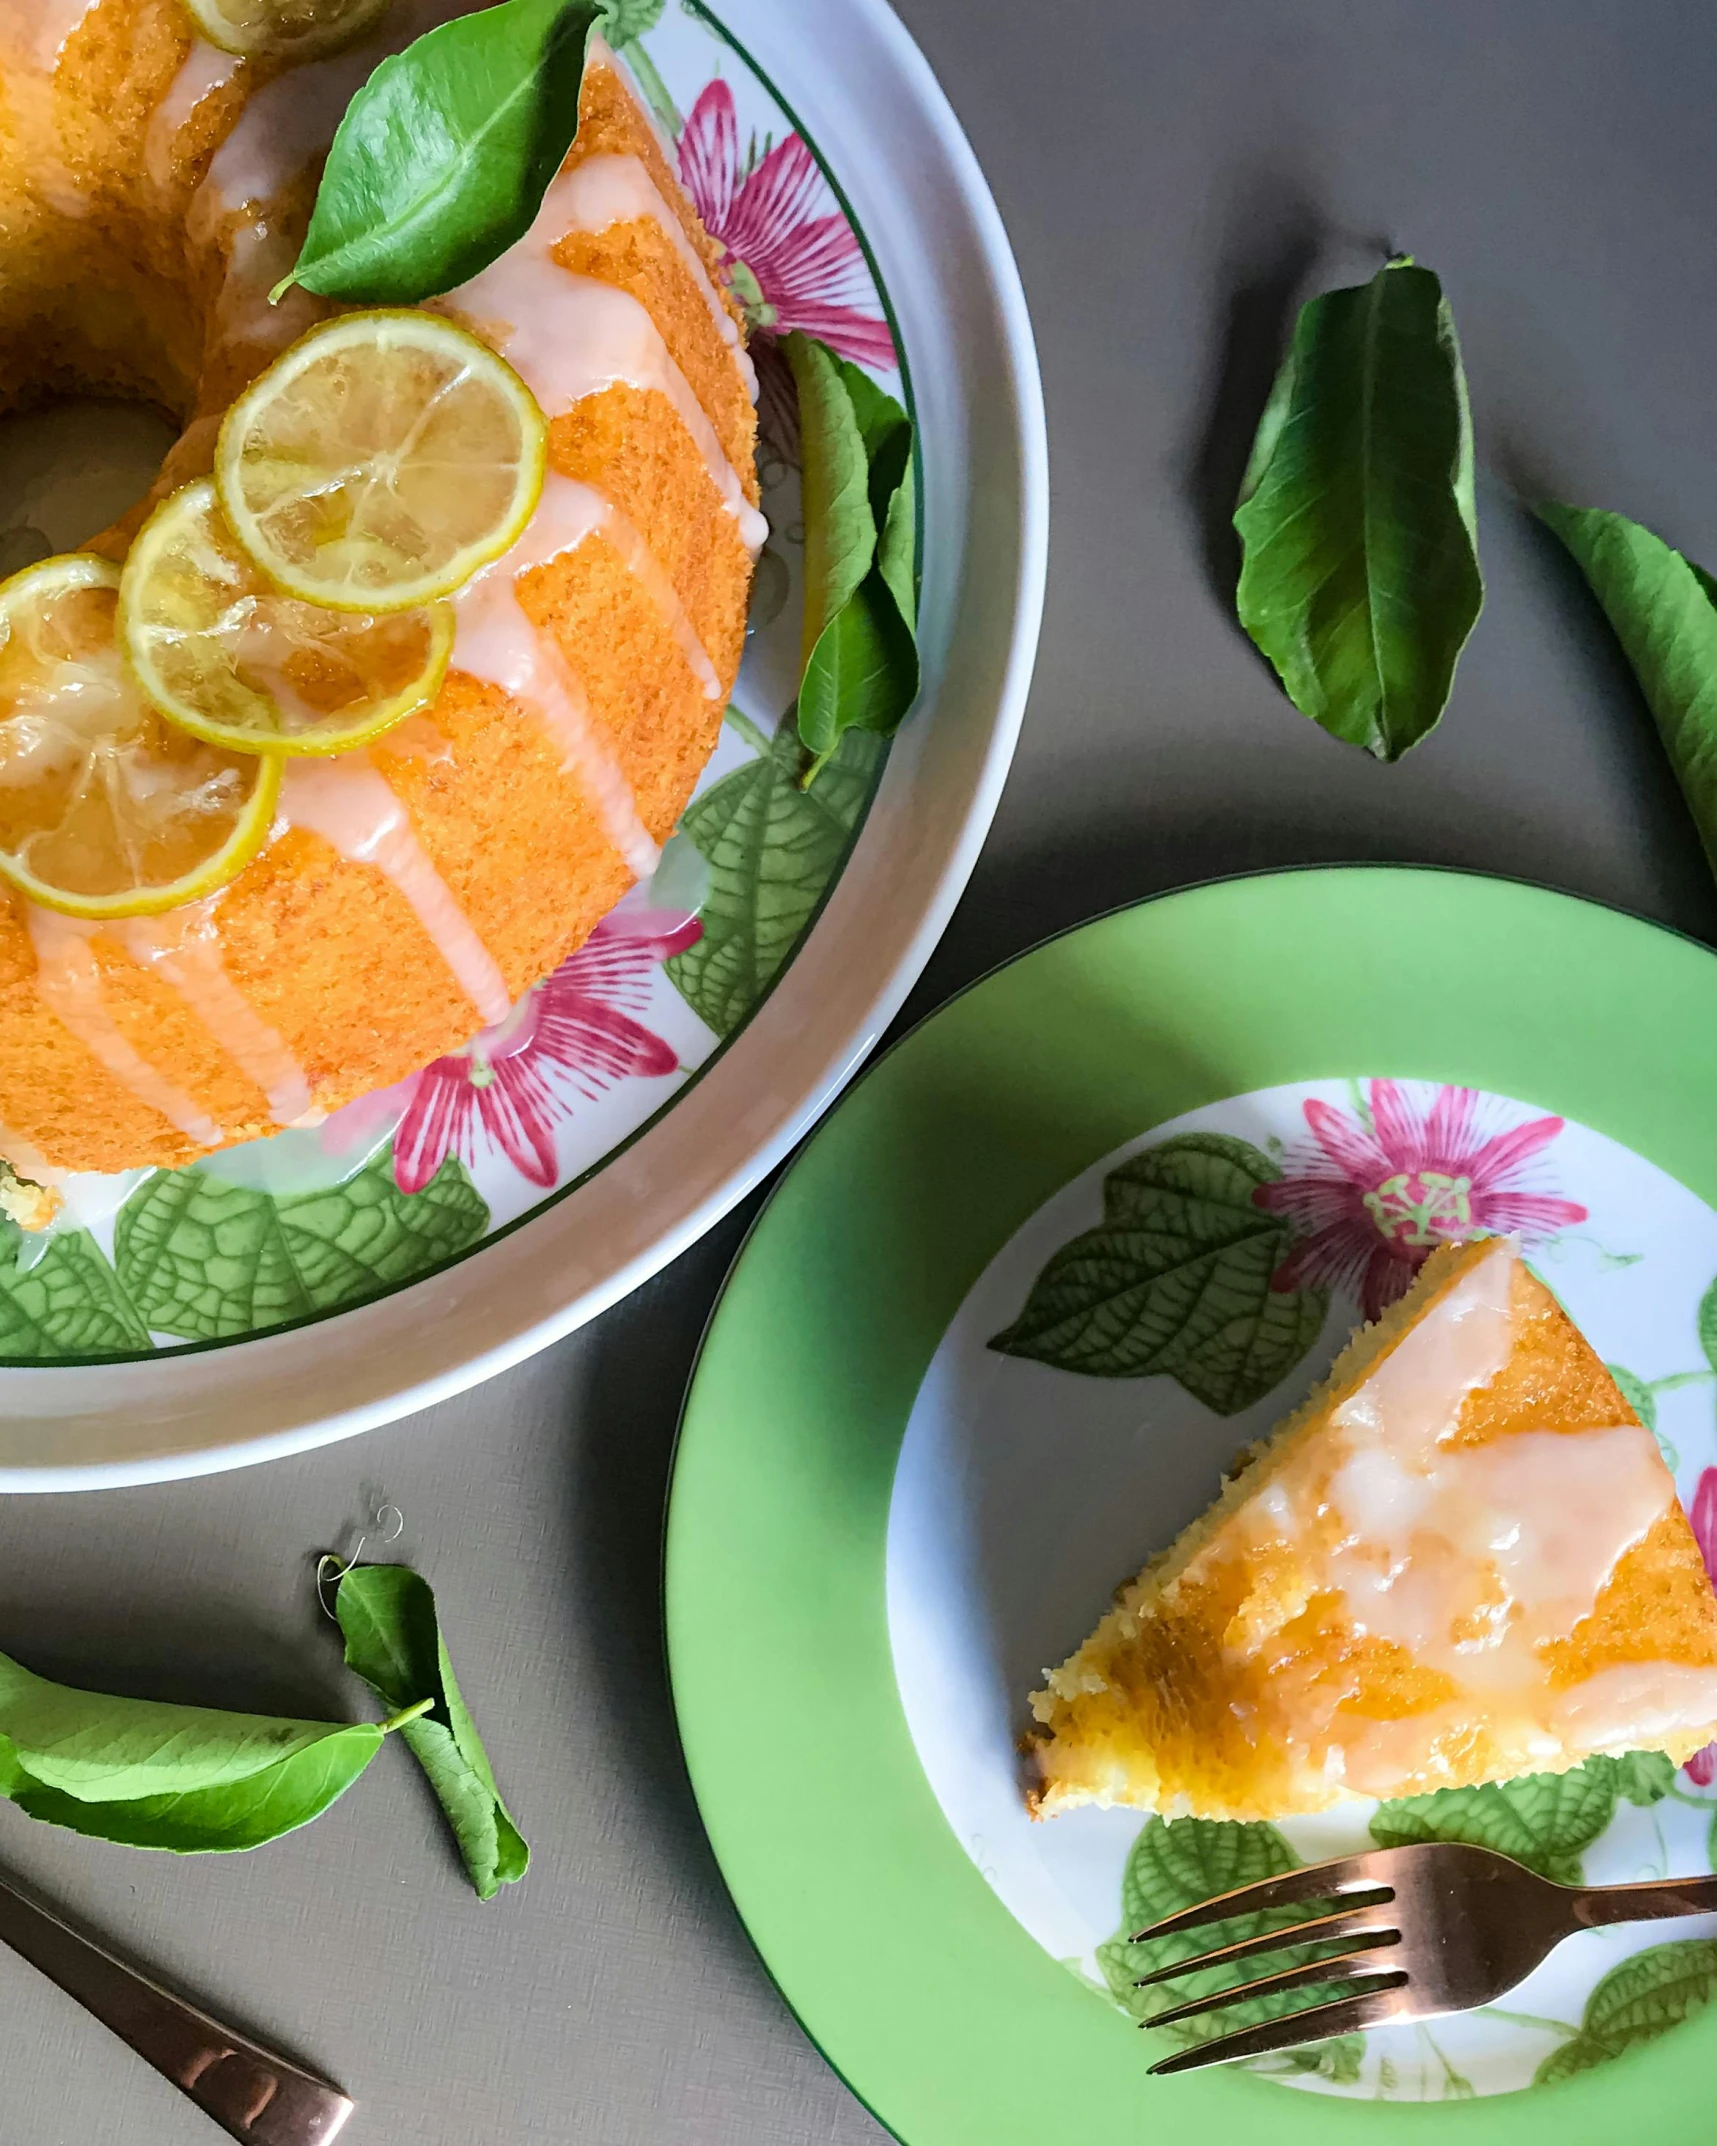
[{"x": 252, "y": 2093}]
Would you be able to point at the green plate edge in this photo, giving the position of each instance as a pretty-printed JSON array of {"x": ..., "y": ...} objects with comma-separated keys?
[{"x": 903, "y": 1966}]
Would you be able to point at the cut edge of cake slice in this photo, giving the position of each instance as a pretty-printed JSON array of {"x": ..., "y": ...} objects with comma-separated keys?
[{"x": 1182, "y": 1701}]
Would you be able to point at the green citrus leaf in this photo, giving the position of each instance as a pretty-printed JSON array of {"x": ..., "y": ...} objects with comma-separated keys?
[
  {"x": 1636, "y": 1393},
  {"x": 1176, "y": 1280},
  {"x": 1661, "y": 610},
  {"x": 68, "y": 1303},
  {"x": 203, "y": 1258},
  {"x": 444, "y": 155},
  {"x": 185, "y": 1778},
  {"x": 394, "y": 1642},
  {"x": 1177, "y": 1863},
  {"x": 772, "y": 849},
  {"x": 1360, "y": 577},
  {"x": 1545, "y": 1820},
  {"x": 860, "y": 669},
  {"x": 840, "y": 529},
  {"x": 218, "y": 1821}
]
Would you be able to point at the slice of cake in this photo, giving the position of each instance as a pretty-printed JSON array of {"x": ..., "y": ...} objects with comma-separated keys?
[{"x": 1461, "y": 1560}]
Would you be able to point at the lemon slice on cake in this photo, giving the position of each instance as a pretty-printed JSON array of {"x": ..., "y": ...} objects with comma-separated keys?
[
  {"x": 379, "y": 462},
  {"x": 106, "y": 810},
  {"x": 284, "y": 29},
  {"x": 221, "y": 652}
]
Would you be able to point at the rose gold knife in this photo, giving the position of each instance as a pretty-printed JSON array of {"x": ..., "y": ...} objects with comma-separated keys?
[{"x": 250, "y": 2092}]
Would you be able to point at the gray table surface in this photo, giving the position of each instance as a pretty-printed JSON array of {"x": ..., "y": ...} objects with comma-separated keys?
[{"x": 1173, "y": 172}]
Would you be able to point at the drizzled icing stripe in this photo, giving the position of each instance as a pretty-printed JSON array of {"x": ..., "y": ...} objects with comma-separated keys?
[
  {"x": 572, "y": 336},
  {"x": 204, "y": 71},
  {"x": 617, "y": 189},
  {"x": 184, "y": 949},
  {"x": 497, "y": 642},
  {"x": 70, "y": 982},
  {"x": 350, "y": 805}
]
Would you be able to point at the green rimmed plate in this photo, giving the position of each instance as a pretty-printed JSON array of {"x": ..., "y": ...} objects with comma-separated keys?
[{"x": 841, "y": 1536}]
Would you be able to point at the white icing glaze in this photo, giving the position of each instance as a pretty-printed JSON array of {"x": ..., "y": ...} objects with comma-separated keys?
[
  {"x": 348, "y": 803},
  {"x": 608, "y": 190},
  {"x": 1634, "y": 1706},
  {"x": 35, "y": 32},
  {"x": 497, "y": 643},
  {"x": 571, "y": 336},
  {"x": 205, "y": 70},
  {"x": 16, "y": 1150},
  {"x": 1469, "y": 1557},
  {"x": 70, "y": 984},
  {"x": 184, "y": 949}
]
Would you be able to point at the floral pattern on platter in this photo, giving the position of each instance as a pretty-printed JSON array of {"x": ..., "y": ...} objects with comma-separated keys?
[
  {"x": 572, "y": 1036},
  {"x": 1374, "y": 1193},
  {"x": 789, "y": 256}
]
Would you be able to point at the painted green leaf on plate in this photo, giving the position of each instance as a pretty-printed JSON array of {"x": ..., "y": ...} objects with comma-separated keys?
[
  {"x": 444, "y": 155},
  {"x": 67, "y": 1303},
  {"x": 203, "y": 1258},
  {"x": 188, "y": 1779},
  {"x": 1661, "y": 610},
  {"x": 1546, "y": 1821},
  {"x": 1636, "y": 1393},
  {"x": 1177, "y": 1863},
  {"x": 395, "y": 1643},
  {"x": 772, "y": 849},
  {"x": 1708, "y": 1325},
  {"x": 1176, "y": 1280},
  {"x": 1644, "y": 1997},
  {"x": 1360, "y": 576}
]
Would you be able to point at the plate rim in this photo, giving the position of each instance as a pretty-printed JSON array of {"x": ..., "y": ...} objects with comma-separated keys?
[
  {"x": 64, "y": 1392},
  {"x": 703, "y": 1631}
]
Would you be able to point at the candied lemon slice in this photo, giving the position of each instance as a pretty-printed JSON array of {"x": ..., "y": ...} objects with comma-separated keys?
[
  {"x": 283, "y": 29},
  {"x": 106, "y": 810},
  {"x": 381, "y": 461},
  {"x": 224, "y": 654}
]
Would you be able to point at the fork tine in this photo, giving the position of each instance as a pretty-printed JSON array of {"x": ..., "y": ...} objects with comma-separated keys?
[
  {"x": 1346, "y": 2015},
  {"x": 1315, "y": 1881},
  {"x": 1350, "y": 1922},
  {"x": 1344, "y": 1967}
]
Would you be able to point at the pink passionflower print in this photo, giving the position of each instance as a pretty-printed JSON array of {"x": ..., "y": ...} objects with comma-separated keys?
[
  {"x": 574, "y": 1034},
  {"x": 791, "y": 258},
  {"x": 1701, "y": 1768},
  {"x": 1369, "y": 1204}
]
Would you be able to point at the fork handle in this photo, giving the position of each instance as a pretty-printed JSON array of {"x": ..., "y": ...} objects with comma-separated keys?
[
  {"x": 254, "y": 2095},
  {"x": 1596, "y": 1905}
]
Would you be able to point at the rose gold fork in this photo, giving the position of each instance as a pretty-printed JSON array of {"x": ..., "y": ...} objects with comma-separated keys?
[
  {"x": 256, "y": 2096},
  {"x": 1435, "y": 1928}
]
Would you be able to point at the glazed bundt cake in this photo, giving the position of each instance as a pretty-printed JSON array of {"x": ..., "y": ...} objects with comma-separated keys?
[{"x": 152, "y": 192}]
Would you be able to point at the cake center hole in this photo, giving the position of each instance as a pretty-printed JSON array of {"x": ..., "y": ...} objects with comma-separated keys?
[{"x": 69, "y": 468}]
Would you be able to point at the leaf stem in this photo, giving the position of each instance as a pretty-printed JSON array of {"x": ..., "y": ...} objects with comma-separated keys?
[
  {"x": 654, "y": 88},
  {"x": 405, "y": 1715},
  {"x": 748, "y": 730},
  {"x": 1678, "y": 1379}
]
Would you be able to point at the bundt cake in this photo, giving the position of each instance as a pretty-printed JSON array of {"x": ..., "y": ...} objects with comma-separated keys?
[
  {"x": 152, "y": 192},
  {"x": 1461, "y": 1561}
]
